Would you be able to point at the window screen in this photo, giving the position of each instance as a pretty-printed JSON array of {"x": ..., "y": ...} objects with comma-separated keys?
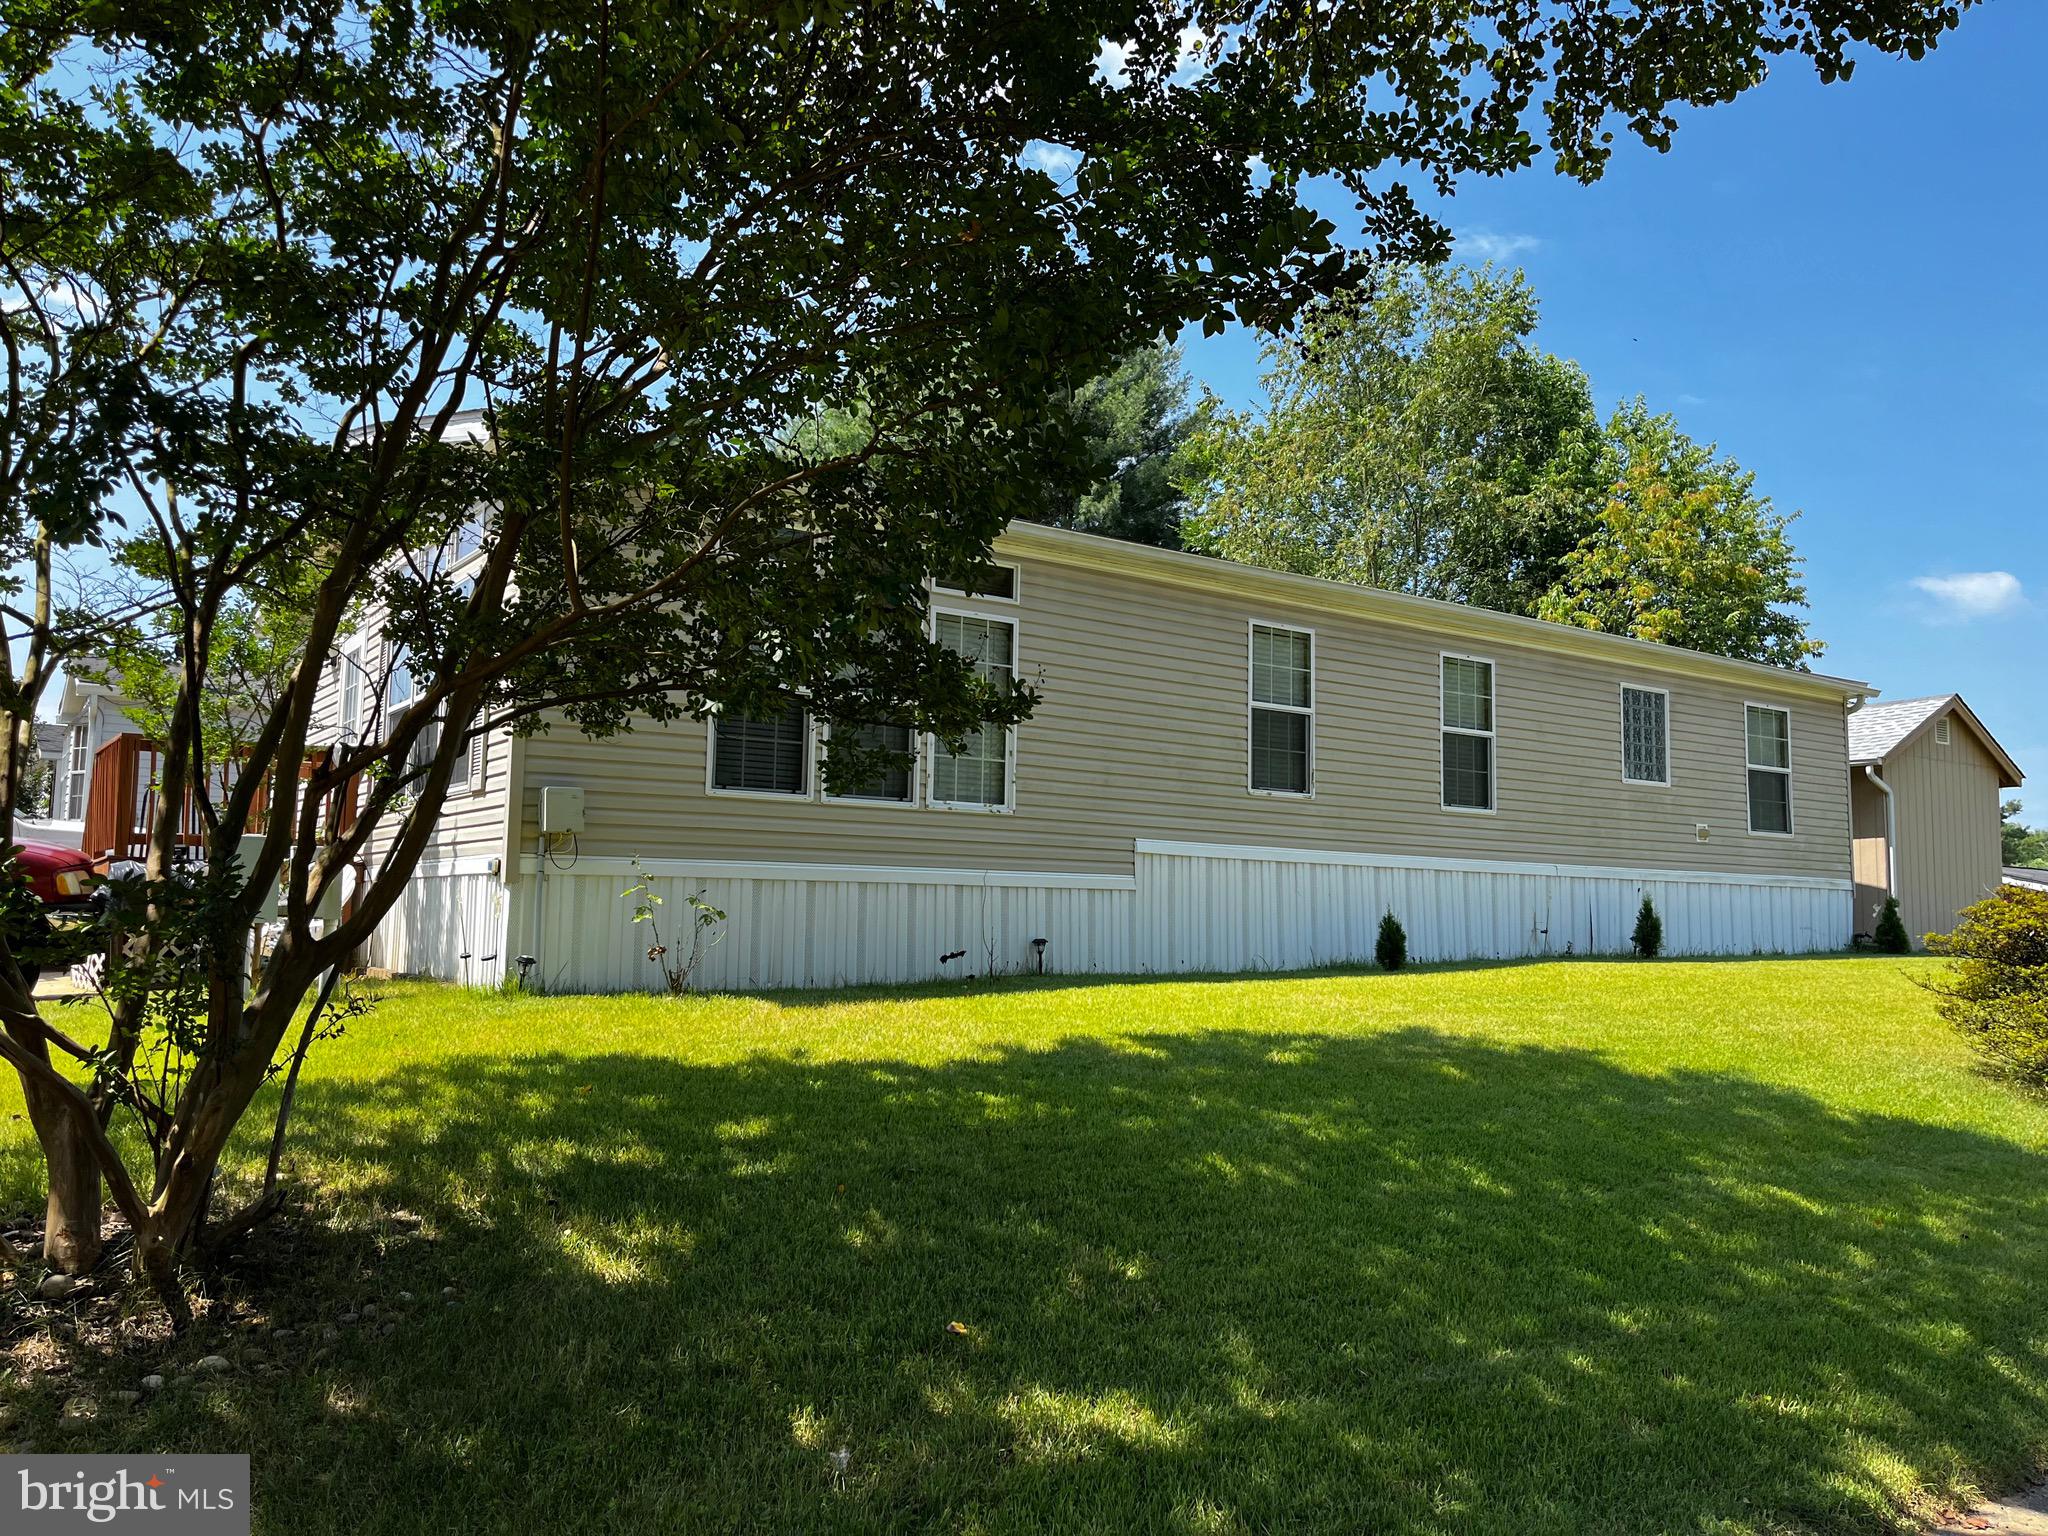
[
  {"x": 1467, "y": 734},
  {"x": 979, "y": 773},
  {"x": 889, "y": 783},
  {"x": 1282, "y": 709},
  {"x": 1770, "y": 769},
  {"x": 1645, "y": 736},
  {"x": 764, "y": 754}
]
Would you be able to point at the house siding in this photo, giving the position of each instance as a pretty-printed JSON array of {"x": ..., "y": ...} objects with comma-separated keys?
[
  {"x": 1948, "y": 853},
  {"x": 1141, "y": 733}
]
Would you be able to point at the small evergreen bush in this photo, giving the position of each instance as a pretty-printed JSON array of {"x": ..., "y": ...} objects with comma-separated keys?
[
  {"x": 1891, "y": 929},
  {"x": 1648, "y": 939},
  {"x": 1392, "y": 949},
  {"x": 1996, "y": 991}
]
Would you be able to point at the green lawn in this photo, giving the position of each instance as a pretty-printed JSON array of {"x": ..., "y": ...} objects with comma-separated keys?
[{"x": 1575, "y": 1247}]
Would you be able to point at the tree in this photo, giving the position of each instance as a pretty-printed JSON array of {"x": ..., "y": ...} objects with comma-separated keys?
[
  {"x": 1411, "y": 438},
  {"x": 1890, "y": 934},
  {"x": 1132, "y": 422},
  {"x": 2020, "y": 847},
  {"x": 1647, "y": 938},
  {"x": 1684, "y": 552},
  {"x": 638, "y": 241}
]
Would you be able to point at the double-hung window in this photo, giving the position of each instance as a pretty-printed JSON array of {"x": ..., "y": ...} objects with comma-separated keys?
[
  {"x": 1769, "y": 733},
  {"x": 74, "y": 791},
  {"x": 352, "y": 679},
  {"x": 894, "y": 782},
  {"x": 977, "y": 776},
  {"x": 1467, "y": 730},
  {"x": 765, "y": 754},
  {"x": 1645, "y": 735},
  {"x": 1282, "y": 723}
]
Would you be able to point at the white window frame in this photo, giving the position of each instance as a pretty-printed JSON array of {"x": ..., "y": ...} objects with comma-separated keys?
[
  {"x": 1622, "y": 691},
  {"x": 392, "y": 663},
  {"x": 1492, "y": 806},
  {"x": 928, "y": 751},
  {"x": 1748, "y": 800},
  {"x": 1944, "y": 734},
  {"x": 911, "y": 803},
  {"x": 352, "y": 668},
  {"x": 1252, "y": 705},
  {"x": 802, "y": 797},
  {"x": 77, "y": 769},
  {"x": 1016, "y": 586}
]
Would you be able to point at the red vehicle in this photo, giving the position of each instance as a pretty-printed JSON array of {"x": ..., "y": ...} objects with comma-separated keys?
[
  {"x": 61, "y": 880},
  {"x": 60, "y": 877}
]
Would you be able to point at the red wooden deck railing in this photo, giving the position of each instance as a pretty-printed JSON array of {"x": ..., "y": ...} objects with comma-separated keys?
[{"x": 121, "y": 806}]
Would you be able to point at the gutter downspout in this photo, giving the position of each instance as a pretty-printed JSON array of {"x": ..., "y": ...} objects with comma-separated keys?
[{"x": 1891, "y": 831}]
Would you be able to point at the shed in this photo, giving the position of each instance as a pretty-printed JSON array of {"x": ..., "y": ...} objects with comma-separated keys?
[{"x": 1924, "y": 783}]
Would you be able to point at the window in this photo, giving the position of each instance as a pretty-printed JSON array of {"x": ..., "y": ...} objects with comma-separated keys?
[
  {"x": 992, "y": 580},
  {"x": 1645, "y": 735},
  {"x": 1770, "y": 770},
  {"x": 1467, "y": 726},
  {"x": 762, "y": 755},
  {"x": 1941, "y": 732},
  {"x": 467, "y": 538},
  {"x": 398, "y": 687},
  {"x": 351, "y": 690},
  {"x": 74, "y": 789},
  {"x": 894, "y": 782},
  {"x": 1282, "y": 727},
  {"x": 978, "y": 774}
]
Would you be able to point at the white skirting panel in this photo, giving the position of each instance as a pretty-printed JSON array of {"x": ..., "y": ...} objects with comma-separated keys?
[
  {"x": 821, "y": 926},
  {"x": 1188, "y": 907},
  {"x": 1209, "y": 907},
  {"x": 450, "y": 923}
]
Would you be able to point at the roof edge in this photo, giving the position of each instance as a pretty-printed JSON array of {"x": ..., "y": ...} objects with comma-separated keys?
[
  {"x": 2009, "y": 774},
  {"x": 1188, "y": 569}
]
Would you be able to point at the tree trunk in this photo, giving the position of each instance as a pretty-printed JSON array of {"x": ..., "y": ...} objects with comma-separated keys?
[{"x": 71, "y": 1220}]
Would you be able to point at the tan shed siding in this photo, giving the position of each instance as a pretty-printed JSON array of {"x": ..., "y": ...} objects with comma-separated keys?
[
  {"x": 1141, "y": 732},
  {"x": 1867, "y": 826},
  {"x": 1948, "y": 828}
]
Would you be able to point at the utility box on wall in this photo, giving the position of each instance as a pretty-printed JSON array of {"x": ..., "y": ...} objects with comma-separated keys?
[{"x": 561, "y": 808}]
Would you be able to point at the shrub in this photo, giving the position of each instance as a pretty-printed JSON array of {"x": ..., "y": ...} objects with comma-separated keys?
[
  {"x": 1648, "y": 939},
  {"x": 1392, "y": 949},
  {"x": 1996, "y": 991},
  {"x": 1890, "y": 935}
]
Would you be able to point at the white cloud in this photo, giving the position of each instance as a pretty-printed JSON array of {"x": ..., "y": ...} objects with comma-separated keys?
[
  {"x": 1970, "y": 595},
  {"x": 1486, "y": 245},
  {"x": 1056, "y": 160},
  {"x": 1113, "y": 60}
]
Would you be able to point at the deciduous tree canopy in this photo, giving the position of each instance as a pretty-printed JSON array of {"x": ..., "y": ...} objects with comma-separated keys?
[{"x": 261, "y": 255}]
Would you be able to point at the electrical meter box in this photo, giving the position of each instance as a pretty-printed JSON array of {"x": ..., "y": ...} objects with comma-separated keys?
[{"x": 561, "y": 808}]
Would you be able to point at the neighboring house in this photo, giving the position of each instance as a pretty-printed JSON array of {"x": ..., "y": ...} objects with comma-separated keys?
[
  {"x": 89, "y": 715},
  {"x": 2031, "y": 879},
  {"x": 1924, "y": 798},
  {"x": 1229, "y": 769}
]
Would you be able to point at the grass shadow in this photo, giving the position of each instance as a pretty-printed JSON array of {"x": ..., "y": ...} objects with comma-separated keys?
[{"x": 1234, "y": 1281}]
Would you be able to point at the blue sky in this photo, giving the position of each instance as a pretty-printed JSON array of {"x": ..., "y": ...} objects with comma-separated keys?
[{"x": 1841, "y": 285}]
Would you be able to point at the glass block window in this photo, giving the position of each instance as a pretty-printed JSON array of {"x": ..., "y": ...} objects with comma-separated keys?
[
  {"x": 1282, "y": 709},
  {"x": 1645, "y": 736},
  {"x": 979, "y": 773},
  {"x": 1769, "y": 734},
  {"x": 761, "y": 755},
  {"x": 1467, "y": 734}
]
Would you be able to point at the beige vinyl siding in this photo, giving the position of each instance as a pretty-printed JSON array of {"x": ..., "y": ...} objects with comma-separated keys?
[
  {"x": 1142, "y": 733},
  {"x": 1948, "y": 827}
]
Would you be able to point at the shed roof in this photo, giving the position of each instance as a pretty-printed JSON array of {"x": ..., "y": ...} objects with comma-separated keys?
[{"x": 1876, "y": 731}]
